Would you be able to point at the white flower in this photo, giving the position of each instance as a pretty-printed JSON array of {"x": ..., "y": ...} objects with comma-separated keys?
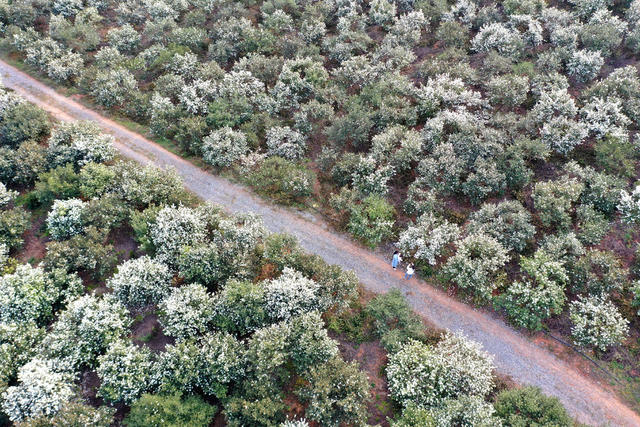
[
  {"x": 562, "y": 135},
  {"x": 26, "y": 295},
  {"x": 285, "y": 142},
  {"x": 187, "y": 312},
  {"x": 195, "y": 96},
  {"x": 6, "y": 196},
  {"x": 496, "y": 36},
  {"x": 605, "y": 117},
  {"x": 65, "y": 219},
  {"x": 476, "y": 261},
  {"x": 84, "y": 330},
  {"x": 427, "y": 376},
  {"x": 41, "y": 391},
  {"x": 174, "y": 228},
  {"x": 224, "y": 146},
  {"x": 80, "y": 143},
  {"x": 125, "y": 372},
  {"x": 113, "y": 87},
  {"x": 290, "y": 294},
  {"x": 428, "y": 237},
  {"x": 140, "y": 282},
  {"x": 584, "y": 65},
  {"x": 597, "y": 322},
  {"x": 629, "y": 206}
]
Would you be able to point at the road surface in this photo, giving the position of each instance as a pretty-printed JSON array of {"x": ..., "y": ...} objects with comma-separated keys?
[{"x": 513, "y": 353}]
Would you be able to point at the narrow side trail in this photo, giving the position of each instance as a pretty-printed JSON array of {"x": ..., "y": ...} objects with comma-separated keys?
[{"x": 514, "y": 354}]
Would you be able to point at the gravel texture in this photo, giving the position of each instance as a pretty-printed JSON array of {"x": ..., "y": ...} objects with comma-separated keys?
[{"x": 514, "y": 354}]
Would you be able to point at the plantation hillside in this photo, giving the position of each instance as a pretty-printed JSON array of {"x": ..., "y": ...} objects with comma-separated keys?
[{"x": 494, "y": 143}]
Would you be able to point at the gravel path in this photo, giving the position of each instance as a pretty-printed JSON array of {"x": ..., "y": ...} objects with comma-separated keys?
[{"x": 514, "y": 354}]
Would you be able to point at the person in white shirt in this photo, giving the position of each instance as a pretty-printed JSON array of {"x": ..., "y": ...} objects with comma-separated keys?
[{"x": 409, "y": 272}]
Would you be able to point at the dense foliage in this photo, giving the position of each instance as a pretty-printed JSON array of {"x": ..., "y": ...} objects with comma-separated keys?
[
  {"x": 516, "y": 123},
  {"x": 503, "y": 136}
]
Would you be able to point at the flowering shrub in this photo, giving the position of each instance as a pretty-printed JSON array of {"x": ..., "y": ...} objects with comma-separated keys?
[
  {"x": 224, "y": 146},
  {"x": 6, "y": 196},
  {"x": 144, "y": 186},
  {"x": 125, "y": 38},
  {"x": 425, "y": 376},
  {"x": 465, "y": 411},
  {"x": 140, "y": 282},
  {"x": 196, "y": 96},
  {"x": 508, "y": 222},
  {"x": 553, "y": 103},
  {"x": 125, "y": 372},
  {"x": 289, "y": 295},
  {"x": 4, "y": 257},
  {"x": 601, "y": 191},
  {"x": 66, "y": 7},
  {"x": 174, "y": 228},
  {"x": 65, "y": 66},
  {"x": 496, "y": 36},
  {"x": 427, "y": 238},
  {"x": 539, "y": 295},
  {"x": 603, "y": 32},
  {"x": 622, "y": 84},
  {"x": 598, "y": 273},
  {"x": 370, "y": 178},
  {"x": 298, "y": 81},
  {"x": 309, "y": 343},
  {"x": 382, "y": 12},
  {"x": 553, "y": 200},
  {"x": 337, "y": 393},
  {"x": 477, "y": 260},
  {"x": 443, "y": 91},
  {"x": 629, "y": 206},
  {"x": 406, "y": 29},
  {"x": 80, "y": 143},
  {"x": 187, "y": 312},
  {"x": 18, "y": 344},
  {"x": 604, "y": 117},
  {"x": 562, "y": 135},
  {"x": 508, "y": 90},
  {"x": 295, "y": 423},
  {"x": 41, "y": 390},
  {"x": 584, "y": 65},
  {"x": 113, "y": 87},
  {"x": 597, "y": 322},
  {"x": 27, "y": 295},
  {"x": 285, "y": 142},
  {"x": 84, "y": 330},
  {"x": 65, "y": 219},
  {"x": 585, "y": 8},
  {"x": 210, "y": 365}
]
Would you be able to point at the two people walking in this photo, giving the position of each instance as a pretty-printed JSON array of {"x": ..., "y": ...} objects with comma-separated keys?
[{"x": 395, "y": 262}]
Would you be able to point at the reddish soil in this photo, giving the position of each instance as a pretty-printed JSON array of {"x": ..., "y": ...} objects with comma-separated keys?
[
  {"x": 123, "y": 242},
  {"x": 34, "y": 242},
  {"x": 372, "y": 359},
  {"x": 148, "y": 333},
  {"x": 89, "y": 384}
]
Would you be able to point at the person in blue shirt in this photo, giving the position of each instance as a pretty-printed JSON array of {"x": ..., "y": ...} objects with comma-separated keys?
[{"x": 395, "y": 261}]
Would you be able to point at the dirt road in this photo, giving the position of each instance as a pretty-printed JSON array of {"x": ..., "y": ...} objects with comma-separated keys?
[{"x": 514, "y": 354}]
